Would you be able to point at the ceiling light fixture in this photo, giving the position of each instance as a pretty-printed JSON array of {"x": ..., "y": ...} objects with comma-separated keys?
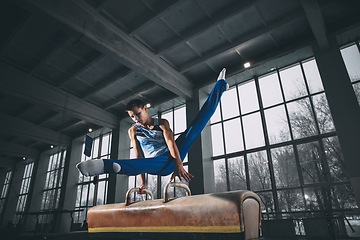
[
  {"x": 148, "y": 105},
  {"x": 246, "y": 65},
  {"x": 52, "y": 146},
  {"x": 24, "y": 158},
  {"x": 90, "y": 130}
]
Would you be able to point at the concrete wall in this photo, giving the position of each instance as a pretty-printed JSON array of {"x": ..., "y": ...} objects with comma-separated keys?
[
  {"x": 344, "y": 108},
  {"x": 15, "y": 184}
]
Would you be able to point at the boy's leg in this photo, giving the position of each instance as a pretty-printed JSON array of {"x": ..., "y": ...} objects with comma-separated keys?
[
  {"x": 96, "y": 167},
  {"x": 187, "y": 138}
]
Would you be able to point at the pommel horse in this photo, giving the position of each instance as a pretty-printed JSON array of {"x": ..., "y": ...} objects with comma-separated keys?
[{"x": 228, "y": 215}]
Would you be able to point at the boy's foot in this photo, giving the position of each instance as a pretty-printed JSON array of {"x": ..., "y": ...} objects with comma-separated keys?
[
  {"x": 91, "y": 168},
  {"x": 95, "y": 167},
  {"x": 222, "y": 76}
]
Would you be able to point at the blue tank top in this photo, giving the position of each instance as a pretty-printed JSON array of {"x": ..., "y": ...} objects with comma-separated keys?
[{"x": 151, "y": 141}]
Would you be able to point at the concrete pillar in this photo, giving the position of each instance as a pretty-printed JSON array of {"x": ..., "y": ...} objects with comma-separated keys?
[
  {"x": 36, "y": 194},
  {"x": 199, "y": 156},
  {"x": 344, "y": 108},
  {"x": 122, "y": 181},
  {"x": 13, "y": 195},
  {"x": 2, "y": 181},
  {"x": 114, "y": 152},
  {"x": 63, "y": 220},
  {"x": 70, "y": 180}
]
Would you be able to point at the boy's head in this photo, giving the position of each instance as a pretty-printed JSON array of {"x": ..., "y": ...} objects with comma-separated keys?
[{"x": 137, "y": 111}]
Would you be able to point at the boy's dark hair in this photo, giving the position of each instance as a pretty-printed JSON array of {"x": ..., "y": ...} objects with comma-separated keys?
[{"x": 136, "y": 102}]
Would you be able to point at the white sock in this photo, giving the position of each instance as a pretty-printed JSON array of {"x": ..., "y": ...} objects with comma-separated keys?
[
  {"x": 91, "y": 168},
  {"x": 222, "y": 76},
  {"x": 95, "y": 167}
]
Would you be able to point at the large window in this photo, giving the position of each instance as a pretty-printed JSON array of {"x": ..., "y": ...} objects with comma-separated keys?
[
  {"x": 351, "y": 56},
  {"x": 92, "y": 191},
  {"x": 274, "y": 135},
  {"x": 52, "y": 188},
  {"x": 24, "y": 190},
  {"x": 5, "y": 191}
]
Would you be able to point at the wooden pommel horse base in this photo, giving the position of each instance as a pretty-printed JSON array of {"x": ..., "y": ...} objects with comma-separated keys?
[{"x": 229, "y": 215}]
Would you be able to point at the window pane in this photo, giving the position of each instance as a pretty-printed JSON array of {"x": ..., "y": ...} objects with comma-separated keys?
[
  {"x": 318, "y": 198},
  {"x": 253, "y": 131},
  {"x": 84, "y": 195},
  {"x": 78, "y": 196},
  {"x": 237, "y": 177},
  {"x": 131, "y": 183},
  {"x": 169, "y": 116},
  {"x": 229, "y": 104},
  {"x": 323, "y": 114},
  {"x": 267, "y": 202},
  {"x": 293, "y": 83},
  {"x": 277, "y": 124},
  {"x": 132, "y": 153},
  {"x": 248, "y": 97},
  {"x": 96, "y": 148},
  {"x": 217, "y": 139},
  {"x": 179, "y": 191},
  {"x": 259, "y": 171},
  {"x": 285, "y": 169},
  {"x": 302, "y": 119},
  {"x": 335, "y": 159},
  {"x": 91, "y": 195},
  {"x": 180, "y": 120},
  {"x": 345, "y": 198},
  {"x": 220, "y": 175},
  {"x": 63, "y": 160},
  {"x": 233, "y": 136},
  {"x": 311, "y": 163},
  {"x": 356, "y": 87},
  {"x": 165, "y": 180},
  {"x": 50, "y": 162},
  {"x": 291, "y": 200},
  {"x": 351, "y": 58},
  {"x": 105, "y": 144},
  {"x": 152, "y": 184},
  {"x": 313, "y": 76},
  {"x": 270, "y": 90},
  {"x": 216, "y": 116},
  {"x": 100, "y": 195}
]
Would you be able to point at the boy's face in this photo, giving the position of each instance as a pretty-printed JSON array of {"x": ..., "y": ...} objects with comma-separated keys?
[{"x": 138, "y": 115}]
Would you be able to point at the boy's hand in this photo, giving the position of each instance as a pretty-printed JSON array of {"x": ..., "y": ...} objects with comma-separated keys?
[
  {"x": 142, "y": 186},
  {"x": 180, "y": 172}
]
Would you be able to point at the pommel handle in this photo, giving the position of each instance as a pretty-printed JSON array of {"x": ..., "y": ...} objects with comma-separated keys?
[
  {"x": 175, "y": 184},
  {"x": 131, "y": 190}
]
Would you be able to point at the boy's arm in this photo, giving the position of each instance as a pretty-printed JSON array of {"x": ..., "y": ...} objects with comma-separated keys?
[
  {"x": 138, "y": 154},
  {"x": 179, "y": 171}
]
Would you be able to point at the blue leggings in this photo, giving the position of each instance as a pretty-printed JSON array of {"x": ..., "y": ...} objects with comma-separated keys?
[{"x": 164, "y": 163}]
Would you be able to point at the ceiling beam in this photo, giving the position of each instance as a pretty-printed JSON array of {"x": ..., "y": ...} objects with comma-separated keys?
[
  {"x": 205, "y": 25},
  {"x": 165, "y": 7},
  {"x": 60, "y": 45},
  {"x": 242, "y": 41},
  {"x": 316, "y": 21},
  {"x": 17, "y": 150},
  {"x": 109, "y": 39},
  {"x": 82, "y": 67},
  {"x": 70, "y": 125},
  {"x": 126, "y": 97},
  {"x": 7, "y": 162},
  {"x": 15, "y": 32},
  {"x": 29, "y": 130},
  {"x": 103, "y": 84},
  {"x": 18, "y": 83}
]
